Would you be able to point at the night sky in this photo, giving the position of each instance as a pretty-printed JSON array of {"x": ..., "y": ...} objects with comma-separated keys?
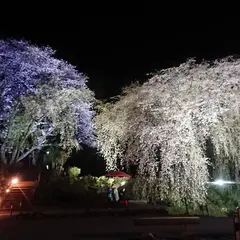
[{"x": 112, "y": 56}]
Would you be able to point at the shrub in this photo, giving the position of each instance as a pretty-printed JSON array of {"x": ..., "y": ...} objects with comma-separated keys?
[
  {"x": 221, "y": 201},
  {"x": 74, "y": 173},
  {"x": 81, "y": 190}
]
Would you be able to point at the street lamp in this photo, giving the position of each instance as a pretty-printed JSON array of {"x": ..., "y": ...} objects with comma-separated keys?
[{"x": 15, "y": 181}]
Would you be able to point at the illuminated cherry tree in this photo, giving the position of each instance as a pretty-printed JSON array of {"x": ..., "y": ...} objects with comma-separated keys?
[
  {"x": 165, "y": 124},
  {"x": 41, "y": 97}
]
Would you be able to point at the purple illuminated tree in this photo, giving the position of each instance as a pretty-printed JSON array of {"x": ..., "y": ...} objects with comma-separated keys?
[{"x": 41, "y": 97}]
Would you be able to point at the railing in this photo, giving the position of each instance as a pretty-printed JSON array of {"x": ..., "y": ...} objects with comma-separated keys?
[{"x": 20, "y": 194}]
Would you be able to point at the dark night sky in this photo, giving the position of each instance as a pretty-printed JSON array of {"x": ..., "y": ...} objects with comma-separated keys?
[{"x": 113, "y": 56}]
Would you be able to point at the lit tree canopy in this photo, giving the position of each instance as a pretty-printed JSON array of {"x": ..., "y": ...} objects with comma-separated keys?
[
  {"x": 164, "y": 125},
  {"x": 41, "y": 97}
]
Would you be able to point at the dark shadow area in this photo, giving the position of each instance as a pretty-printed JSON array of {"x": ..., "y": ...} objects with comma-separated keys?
[{"x": 88, "y": 160}]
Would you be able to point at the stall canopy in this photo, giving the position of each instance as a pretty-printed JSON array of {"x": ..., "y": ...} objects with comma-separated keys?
[{"x": 118, "y": 174}]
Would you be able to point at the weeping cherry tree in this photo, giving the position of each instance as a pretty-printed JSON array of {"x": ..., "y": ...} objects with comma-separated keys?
[{"x": 164, "y": 125}]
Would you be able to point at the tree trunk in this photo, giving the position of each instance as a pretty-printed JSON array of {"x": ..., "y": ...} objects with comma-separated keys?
[
  {"x": 3, "y": 174},
  {"x": 3, "y": 156},
  {"x": 186, "y": 206}
]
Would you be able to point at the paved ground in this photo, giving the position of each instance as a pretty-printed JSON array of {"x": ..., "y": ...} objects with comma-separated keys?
[
  {"x": 92, "y": 212},
  {"x": 108, "y": 227}
]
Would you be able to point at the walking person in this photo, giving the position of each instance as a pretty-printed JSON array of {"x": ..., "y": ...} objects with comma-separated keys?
[
  {"x": 123, "y": 197},
  {"x": 116, "y": 195},
  {"x": 110, "y": 196}
]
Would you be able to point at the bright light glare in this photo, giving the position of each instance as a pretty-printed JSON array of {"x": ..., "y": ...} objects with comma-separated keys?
[
  {"x": 14, "y": 181},
  {"x": 221, "y": 182},
  {"x": 47, "y": 166},
  {"x": 7, "y": 191}
]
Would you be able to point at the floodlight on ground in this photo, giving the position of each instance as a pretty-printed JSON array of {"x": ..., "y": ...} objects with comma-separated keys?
[{"x": 221, "y": 182}]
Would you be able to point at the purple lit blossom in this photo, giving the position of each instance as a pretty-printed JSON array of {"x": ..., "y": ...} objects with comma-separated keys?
[
  {"x": 24, "y": 71},
  {"x": 24, "y": 66}
]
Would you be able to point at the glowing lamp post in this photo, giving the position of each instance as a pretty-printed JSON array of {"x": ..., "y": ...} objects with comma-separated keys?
[{"x": 14, "y": 181}]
